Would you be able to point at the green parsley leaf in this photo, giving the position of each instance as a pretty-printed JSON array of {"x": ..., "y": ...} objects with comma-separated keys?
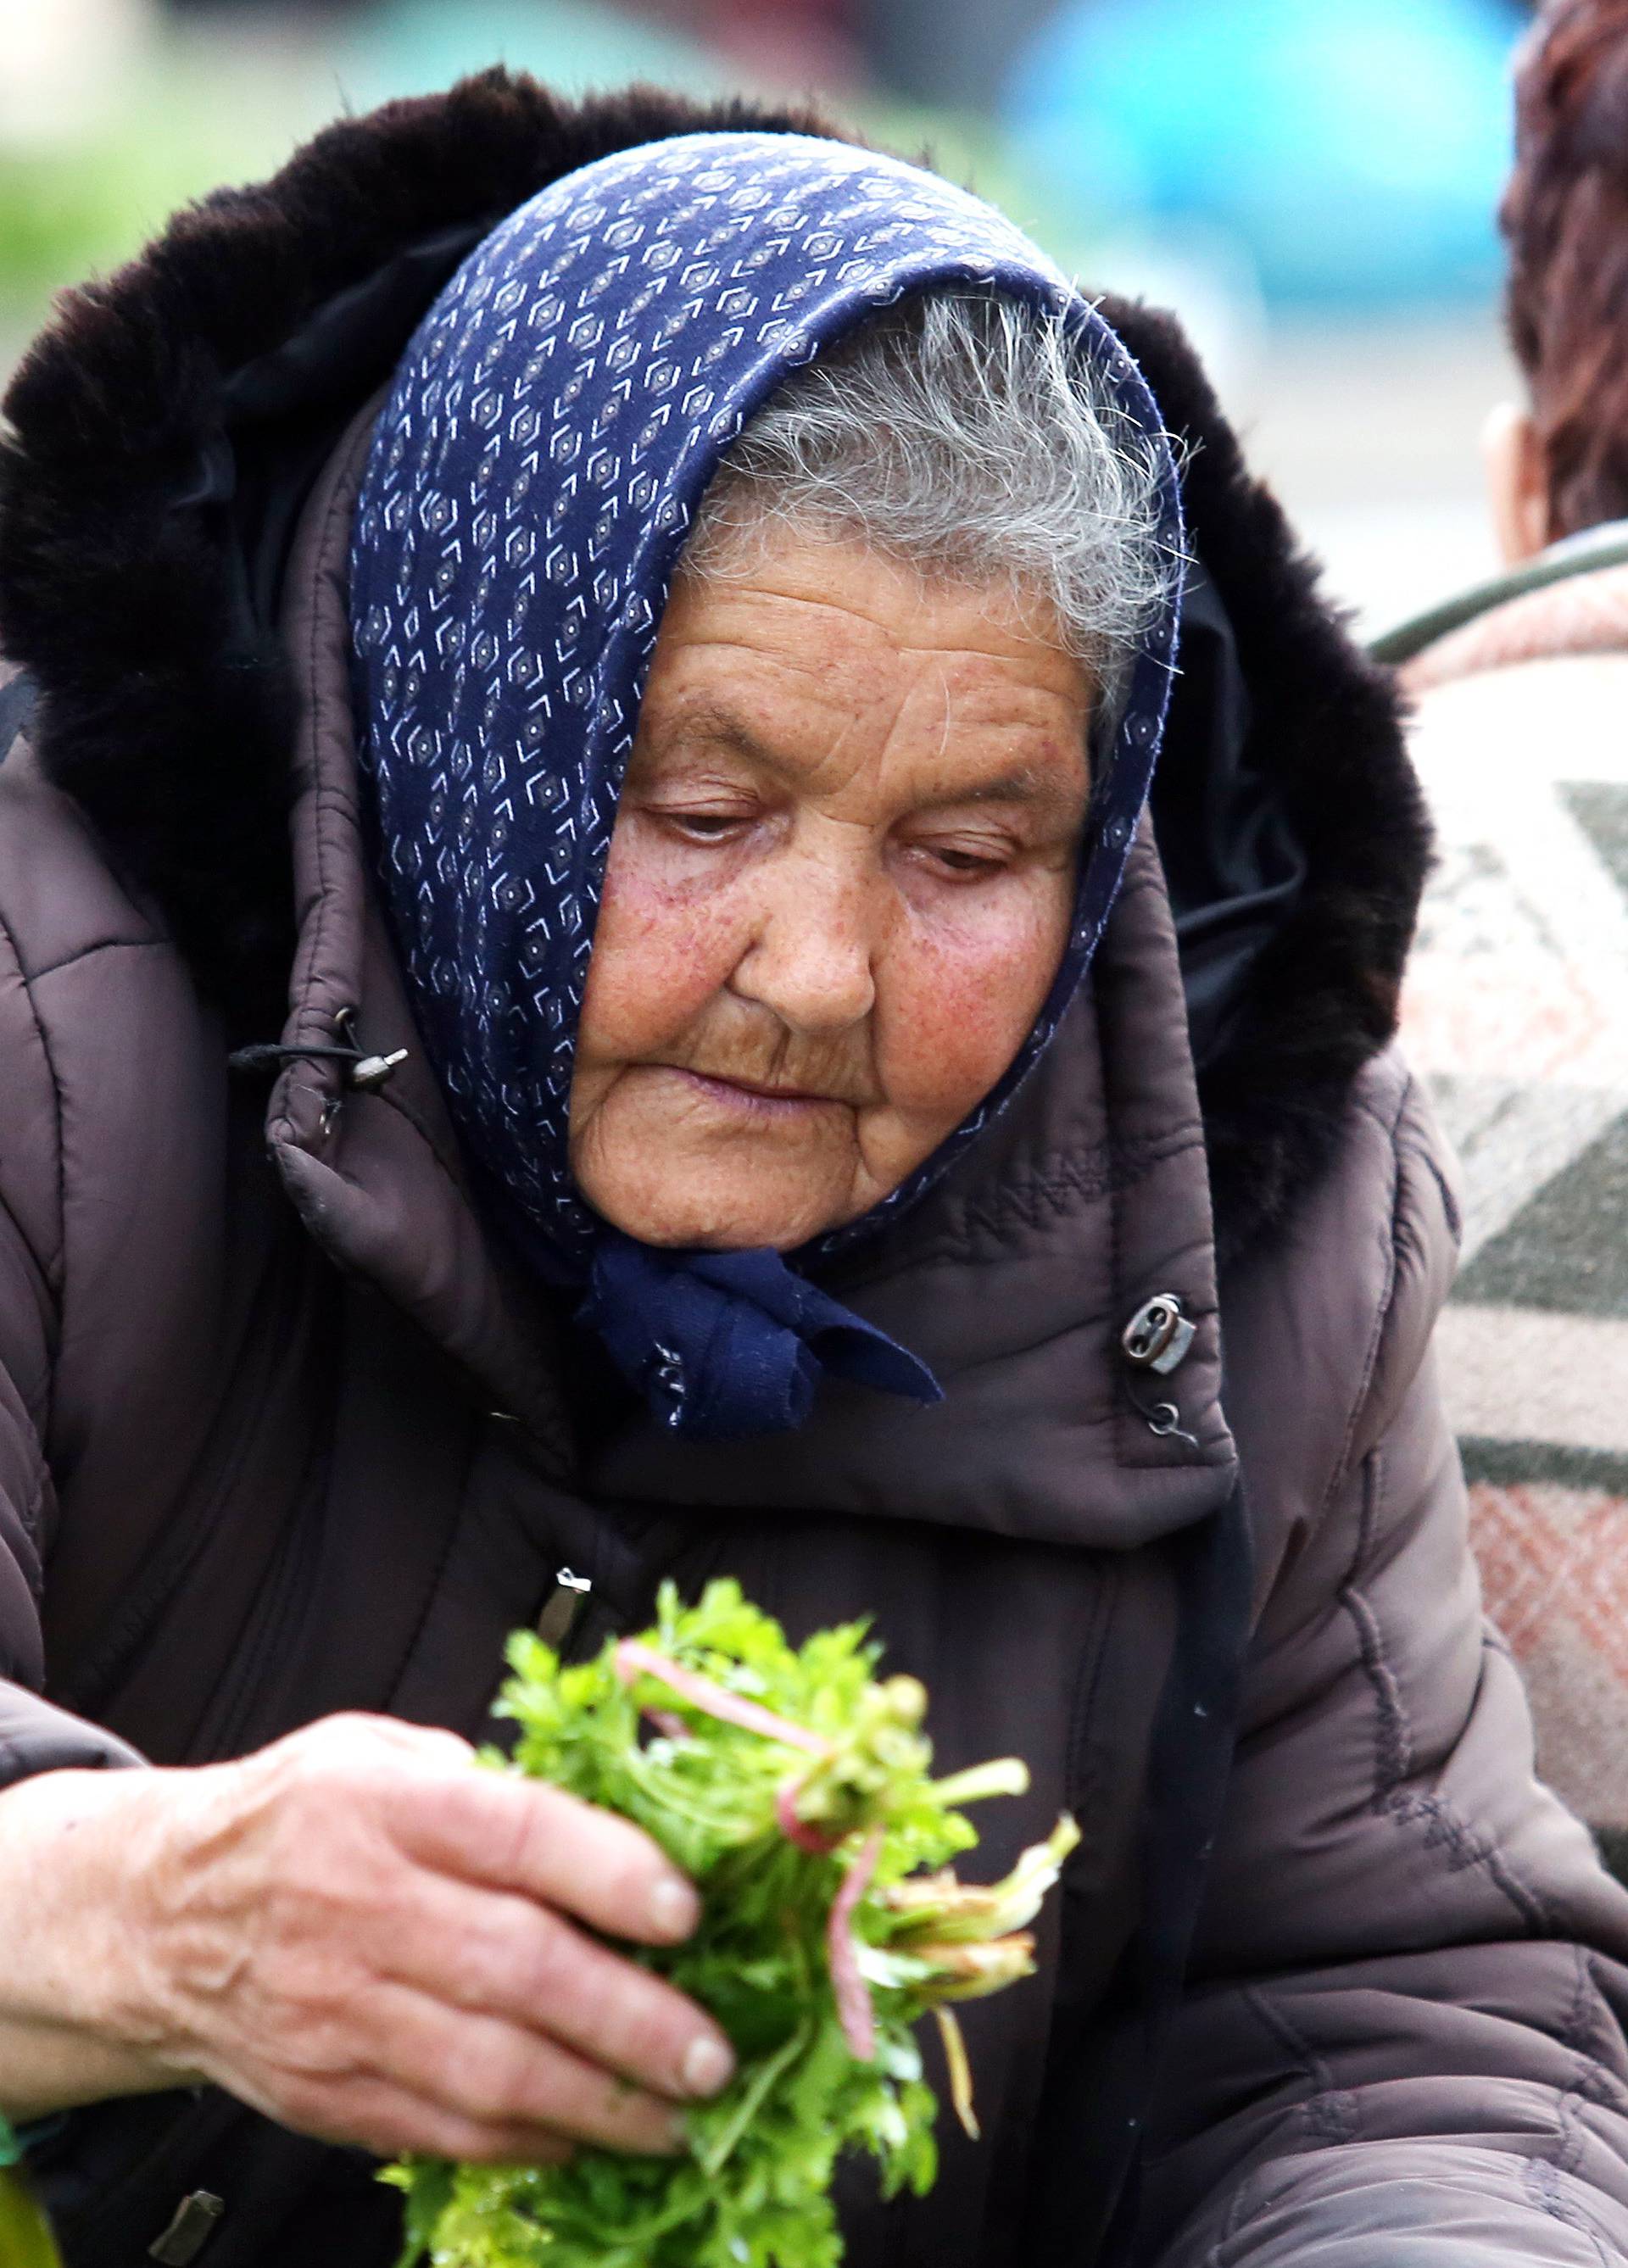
[{"x": 795, "y": 1789}]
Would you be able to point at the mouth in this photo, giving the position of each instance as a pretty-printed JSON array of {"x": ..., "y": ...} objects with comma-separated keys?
[{"x": 755, "y": 1098}]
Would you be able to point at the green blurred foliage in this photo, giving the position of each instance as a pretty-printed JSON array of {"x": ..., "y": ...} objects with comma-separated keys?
[
  {"x": 188, "y": 117},
  {"x": 200, "y": 111}
]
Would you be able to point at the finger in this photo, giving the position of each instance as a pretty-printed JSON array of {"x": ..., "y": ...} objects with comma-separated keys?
[
  {"x": 497, "y": 2074},
  {"x": 369, "y": 2113},
  {"x": 356, "y": 1732},
  {"x": 495, "y": 1954},
  {"x": 522, "y": 1835},
  {"x": 440, "y": 1744}
]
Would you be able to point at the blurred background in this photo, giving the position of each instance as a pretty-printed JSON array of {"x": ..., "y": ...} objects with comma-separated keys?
[{"x": 1310, "y": 183}]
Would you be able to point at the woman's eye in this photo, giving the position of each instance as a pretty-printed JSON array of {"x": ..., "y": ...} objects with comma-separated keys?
[
  {"x": 705, "y": 826},
  {"x": 964, "y": 862}
]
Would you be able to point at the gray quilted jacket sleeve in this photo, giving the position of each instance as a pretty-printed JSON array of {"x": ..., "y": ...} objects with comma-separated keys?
[
  {"x": 1402, "y": 2045},
  {"x": 34, "y": 1736}
]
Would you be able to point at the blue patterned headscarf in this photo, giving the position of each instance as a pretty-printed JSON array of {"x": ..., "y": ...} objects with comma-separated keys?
[{"x": 553, "y": 424}]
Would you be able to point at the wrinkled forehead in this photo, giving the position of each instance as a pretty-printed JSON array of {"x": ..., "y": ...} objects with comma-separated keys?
[{"x": 825, "y": 670}]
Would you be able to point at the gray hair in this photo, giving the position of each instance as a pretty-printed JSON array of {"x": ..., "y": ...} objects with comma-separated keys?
[{"x": 968, "y": 435}]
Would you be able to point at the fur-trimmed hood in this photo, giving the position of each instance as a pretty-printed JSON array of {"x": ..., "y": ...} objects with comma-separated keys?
[{"x": 165, "y": 429}]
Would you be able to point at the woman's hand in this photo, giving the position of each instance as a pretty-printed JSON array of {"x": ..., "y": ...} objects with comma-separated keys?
[{"x": 356, "y": 1933}]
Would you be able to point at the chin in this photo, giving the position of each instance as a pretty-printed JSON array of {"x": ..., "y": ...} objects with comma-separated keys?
[
  {"x": 709, "y": 1222},
  {"x": 710, "y": 1232}
]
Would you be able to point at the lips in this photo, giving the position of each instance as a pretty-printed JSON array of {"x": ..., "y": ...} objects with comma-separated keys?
[
  {"x": 769, "y": 1092},
  {"x": 754, "y": 1096}
]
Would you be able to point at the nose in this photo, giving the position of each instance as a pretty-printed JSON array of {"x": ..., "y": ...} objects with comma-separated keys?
[{"x": 813, "y": 955}]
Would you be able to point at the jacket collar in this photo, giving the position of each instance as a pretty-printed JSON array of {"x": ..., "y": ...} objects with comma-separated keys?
[{"x": 376, "y": 1173}]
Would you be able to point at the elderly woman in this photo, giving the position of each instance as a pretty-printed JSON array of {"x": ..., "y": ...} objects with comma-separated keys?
[{"x": 755, "y": 1093}]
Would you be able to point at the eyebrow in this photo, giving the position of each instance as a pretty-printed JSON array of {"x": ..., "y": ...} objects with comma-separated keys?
[{"x": 1020, "y": 783}]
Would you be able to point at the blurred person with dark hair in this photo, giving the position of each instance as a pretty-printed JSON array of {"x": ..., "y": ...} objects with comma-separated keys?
[
  {"x": 1559, "y": 466},
  {"x": 1517, "y": 995}
]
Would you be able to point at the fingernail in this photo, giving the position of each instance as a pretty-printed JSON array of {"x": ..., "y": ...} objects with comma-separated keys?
[
  {"x": 674, "y": 1909},
  {"x": 708, "y": 2065}
]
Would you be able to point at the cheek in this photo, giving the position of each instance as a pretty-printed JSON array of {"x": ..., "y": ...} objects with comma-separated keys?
[
  {"x": 959, "y": 992},
  {"x": 661, "y": 950}
]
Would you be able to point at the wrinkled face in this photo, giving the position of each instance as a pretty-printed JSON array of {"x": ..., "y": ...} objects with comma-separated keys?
[{"x": 839, "y": 888}]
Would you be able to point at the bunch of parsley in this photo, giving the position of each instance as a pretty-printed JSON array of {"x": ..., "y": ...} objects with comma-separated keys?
[{"x": 796, "y": 1789}]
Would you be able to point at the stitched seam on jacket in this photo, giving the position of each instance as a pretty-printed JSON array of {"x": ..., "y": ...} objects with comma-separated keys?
[
  {"x": 1593, "y": 2085},
  {"x": 1392, "y": 1740},
  {"x": 1022, "y": 1203},
  {"x": 1395, "y": 1759},
  {"x": 1329, "y": 2112},
  {"x": 61, "y": 1286},
  {"x": 102, "y": 944},
  {"x": 1376, "y": 1336},
  {"x": 54, "y": 1278},
  {"x": 323, "y": 799},
  {"x": 33, "y": 1515},
  {"x": 1441, "y": 1821},
  {"x": 1544, "y": 2183},
  {"x": 37, "y": 1416},
  {"x": 1444, "y": 1824},
  {"x": 1422, "y": 1155},
  {"x": 323, "y": 796},
  {"x": 1595, "y": 2028}
]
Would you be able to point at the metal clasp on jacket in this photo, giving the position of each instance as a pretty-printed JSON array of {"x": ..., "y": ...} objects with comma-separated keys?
[
  {"x": 366, "y": 1073},
  {"x": 1158, "y": 1335},
  {"x": 1156, "y": 1340},
  {"x": 563, "y": 1608},
  {"x": 363, "y": 1074},
  {"x": 190, "y": 2228}
]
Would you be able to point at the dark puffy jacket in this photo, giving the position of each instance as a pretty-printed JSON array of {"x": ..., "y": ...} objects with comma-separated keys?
[{"x": 281, "y": 1430}]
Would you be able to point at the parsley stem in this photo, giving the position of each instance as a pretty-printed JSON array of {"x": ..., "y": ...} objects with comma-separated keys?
[
  {"x": 1003, "y": 1776},
  {"x": 718, "y": 2151}
]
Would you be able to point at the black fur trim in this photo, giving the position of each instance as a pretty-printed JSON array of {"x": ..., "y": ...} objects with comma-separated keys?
[
  {"x": 1327, "y": 728},
  {"x": 166, "y": 710}
]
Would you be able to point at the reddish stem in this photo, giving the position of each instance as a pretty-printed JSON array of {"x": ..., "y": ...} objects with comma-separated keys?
[
  {"x": 854, "y": 2010},
  {"x": 816, "y": 1840},
  {"x": 635, "y": 1660}
]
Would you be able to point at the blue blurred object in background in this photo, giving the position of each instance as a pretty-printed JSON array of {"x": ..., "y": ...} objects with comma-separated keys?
[
  {"x": 418, "y": 47},
  {"x": 1356, "y": 148}
]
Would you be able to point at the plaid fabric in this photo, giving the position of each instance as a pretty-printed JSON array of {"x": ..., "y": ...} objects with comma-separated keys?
[{"x": 1517, "y": 1010}]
